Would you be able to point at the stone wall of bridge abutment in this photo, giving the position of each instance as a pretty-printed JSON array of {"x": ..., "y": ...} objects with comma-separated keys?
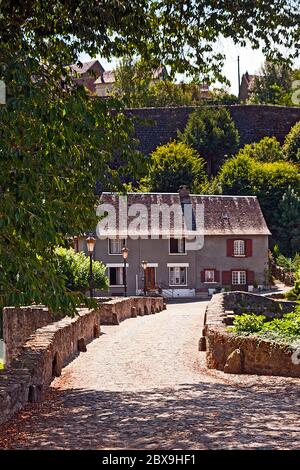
[
  {"x": 238, "y": 354},
  {"x": 36, "y": 360}
]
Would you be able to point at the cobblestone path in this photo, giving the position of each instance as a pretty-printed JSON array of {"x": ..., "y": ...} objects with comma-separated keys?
[{"x": 143, "y": 385}]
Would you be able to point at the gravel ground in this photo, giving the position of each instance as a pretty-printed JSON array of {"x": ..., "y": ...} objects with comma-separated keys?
[{"x": 144, "y": 385}]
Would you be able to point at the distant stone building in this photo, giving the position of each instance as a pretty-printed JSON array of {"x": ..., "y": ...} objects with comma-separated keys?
[
  {"x": 87, "y": 74},
  {"x": 105, "y": 83},
  {"x": 245, "y": 85}
]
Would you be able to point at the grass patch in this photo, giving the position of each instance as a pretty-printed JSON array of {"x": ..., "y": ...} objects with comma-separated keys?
[
  {"x": 282, "y": 330},
  {"x": 1, "y": 365}
]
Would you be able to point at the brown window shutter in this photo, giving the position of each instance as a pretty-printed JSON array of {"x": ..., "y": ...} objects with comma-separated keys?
[
  {"x": 250, "y": 277},
  {"x": 202, "y": 276},
  {"x": 248, "y": 247},
  {"x": 230, "y": 247},
  {"x": 226, "y": 277},
  {"x": 217, "y": 276}
]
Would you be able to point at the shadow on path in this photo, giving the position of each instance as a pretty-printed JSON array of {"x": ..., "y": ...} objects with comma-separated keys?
[{"x": 203, "y": 416}]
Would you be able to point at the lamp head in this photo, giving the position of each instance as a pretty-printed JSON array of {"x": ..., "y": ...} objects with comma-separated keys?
[
  {"x": 125, "y": 252},
  {"x": 91, "y": 242},
  {"x": 144, "y": 264}
]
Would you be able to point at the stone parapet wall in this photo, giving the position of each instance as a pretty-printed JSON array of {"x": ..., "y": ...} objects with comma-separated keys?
[
  {"x": 232, "y": 353},
  {"x": 19, "y": 323},
  {"x": 50, "y": 347},
  {"x": 245, "y": 302},
  {"x": 53, "y": 346},
  {"x": 257, "y": 356},
  {"x": 119, "y": 309}
]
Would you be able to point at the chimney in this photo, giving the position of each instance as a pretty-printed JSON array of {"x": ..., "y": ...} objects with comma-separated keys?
[{"x": 184, "y": 194}]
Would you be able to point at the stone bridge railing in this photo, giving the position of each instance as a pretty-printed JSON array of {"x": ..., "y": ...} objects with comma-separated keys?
[
  {"x": 233, "y": 353},
  {"x": 38, "y": 346}
]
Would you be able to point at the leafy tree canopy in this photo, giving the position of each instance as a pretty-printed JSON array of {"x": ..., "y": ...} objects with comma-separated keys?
[
  {"x": 173, "y": 165},
  {"x": 270, "y": 182},
  {"x": 75, "y": 269},
  {"x": 137, "y": 88},
  {"x": 273, "y": 85},
  {"x": 213, "y": 134},
  {"x": 267, "y": 149},
  {"x": 56, "y": 142}
]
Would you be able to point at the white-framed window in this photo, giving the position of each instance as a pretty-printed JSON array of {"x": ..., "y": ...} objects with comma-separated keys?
[
  {"x": 115, "y": 245},
  {"x": 177, "y": 246},
  {"x": 239, "y": 278},
  {"x": 177, "y": 276},
  {"x": 239, "y": 248},
  {"x": 209, "y": 275},
  {"x": 115, "y": 276}
]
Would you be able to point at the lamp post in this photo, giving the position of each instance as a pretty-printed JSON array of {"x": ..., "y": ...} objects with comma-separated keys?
[
  {"x": 91, "y": 242},
  {"x": 144, "y": 266},
  {"x": 125, "y": 252}
]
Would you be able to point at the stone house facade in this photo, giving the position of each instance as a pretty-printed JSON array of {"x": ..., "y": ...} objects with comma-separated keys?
[
  {"x": 245, "y": 86},
  {"x": 233, "y": 253},
  {"x": 87, "y": 74}
]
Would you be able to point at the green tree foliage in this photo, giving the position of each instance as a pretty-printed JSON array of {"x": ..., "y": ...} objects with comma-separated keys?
[
  {"x": 285, "y": 329},
  {"x": 267, "y": 149},
  {"x": 213, "y": 134},
  {"x": 288, "y": 222},
  {"x": 173, "y": 165},
  {"x": 133, "y": 78},
  {"x": 290, "y": 264},
  {"x": 222, "y": 96},
  {"x": 294, "y": 294},
  {"x": 136, "y": 88},
  {"x": 270, "y": 182},
  {"x": 291, "y": 146},
  {"x": 74, "y": 268},
  {"x": 56, "y": 143},
  {"x": 168, "y": 93},
  {"x": 273, "y": 85}
]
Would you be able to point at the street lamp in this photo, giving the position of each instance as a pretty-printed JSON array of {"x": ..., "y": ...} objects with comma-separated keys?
[
  {"x": 125, "y": 252},
  {"x": 91, "y": 242},
  {"x": 144, "y": 266}
]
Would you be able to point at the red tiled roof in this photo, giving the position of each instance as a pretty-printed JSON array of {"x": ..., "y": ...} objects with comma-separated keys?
[
  {"x": 223, "y": 215},
  {"x": 85, "y": 66},
  {"x": 106, "y": 77}
]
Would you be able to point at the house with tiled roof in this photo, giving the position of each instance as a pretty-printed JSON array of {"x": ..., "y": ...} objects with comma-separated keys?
[
  {"x": 105, "y": 83},
  {"x": 245, "y": 86},
  {"x": 193, "y": 244},
  {"x": 87, "y": 73}
]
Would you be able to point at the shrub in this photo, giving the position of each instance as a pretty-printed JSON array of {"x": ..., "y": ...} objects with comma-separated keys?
[
  {"x": 267, "y": 149},
  {"x": 173, "y": 165},
  {"x": 291, "y": 146},
  {"x": 74, "y": 268},
  {"x": 285, "y": 329},
  {"x": 213, "y": 134},
  {"x": 277, "y": 186},
  {"x": 288, "y": 326},
  {"x": 294, "y": 294},
  {"x": 248, "y": 323}
]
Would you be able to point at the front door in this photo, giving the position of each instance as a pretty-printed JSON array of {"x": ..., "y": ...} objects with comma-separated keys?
[{"x": 150, "y": 278}]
